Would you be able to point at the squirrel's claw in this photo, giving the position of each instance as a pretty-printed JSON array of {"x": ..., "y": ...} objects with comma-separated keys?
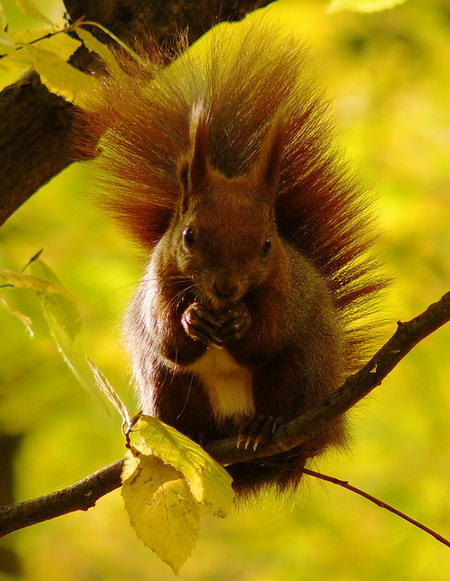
[{"x": 256, "y": 430}]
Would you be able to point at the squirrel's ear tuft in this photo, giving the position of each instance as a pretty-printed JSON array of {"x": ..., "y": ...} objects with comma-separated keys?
[
  {"x": 269, "y": 163},
  {"x": 183, "y": 174},
  {"x": 197, "y": 171}
]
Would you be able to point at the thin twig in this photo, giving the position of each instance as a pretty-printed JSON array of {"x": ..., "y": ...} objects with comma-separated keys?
[{"x": 378, "y": 502}]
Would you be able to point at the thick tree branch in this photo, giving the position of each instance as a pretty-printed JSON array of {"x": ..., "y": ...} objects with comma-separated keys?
[
  {"x": 84, "y": 494},
  {"x": 35, "y": 125}
]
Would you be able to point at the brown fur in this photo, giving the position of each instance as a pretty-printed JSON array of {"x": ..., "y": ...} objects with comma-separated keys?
[{"x": 240, "y": 147}]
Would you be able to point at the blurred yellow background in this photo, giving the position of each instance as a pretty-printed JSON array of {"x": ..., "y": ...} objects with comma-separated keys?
[{"x": 388, "y": 74}]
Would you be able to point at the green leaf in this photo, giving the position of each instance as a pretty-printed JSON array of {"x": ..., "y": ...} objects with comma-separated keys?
[
  {"x": 208, "y": 481},
  {"x": 362, "y": 5},
  {"x": 161, "y": 508},
  {"x": 64, "y": 321},
  {"x": 59, "y": 316},
  {"x": 59, "y": 304}
]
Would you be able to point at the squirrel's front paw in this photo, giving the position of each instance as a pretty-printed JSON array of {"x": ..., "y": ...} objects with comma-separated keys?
[
  {"x": 234, "y": 323},
  {"x": 201, "y": 324}
]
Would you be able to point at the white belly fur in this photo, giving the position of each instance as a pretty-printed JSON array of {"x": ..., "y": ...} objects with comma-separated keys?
[{"x": 228, "y": 384}]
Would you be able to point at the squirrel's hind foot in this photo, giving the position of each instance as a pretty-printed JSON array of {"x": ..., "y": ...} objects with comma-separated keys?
[{"x": 256, "y": 430}]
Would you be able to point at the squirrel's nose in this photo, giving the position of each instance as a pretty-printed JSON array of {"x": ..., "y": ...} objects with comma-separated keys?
[{"x": 225, "y": 289}]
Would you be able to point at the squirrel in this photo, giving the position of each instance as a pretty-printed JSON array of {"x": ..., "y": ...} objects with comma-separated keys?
[{"x": 260, "y": 271}]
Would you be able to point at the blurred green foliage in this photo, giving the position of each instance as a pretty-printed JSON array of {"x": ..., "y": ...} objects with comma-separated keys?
[{"x": 388, "y": 76}]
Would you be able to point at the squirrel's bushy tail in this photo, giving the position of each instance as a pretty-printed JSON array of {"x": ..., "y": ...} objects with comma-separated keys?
[{"x": 244, "y": 77}]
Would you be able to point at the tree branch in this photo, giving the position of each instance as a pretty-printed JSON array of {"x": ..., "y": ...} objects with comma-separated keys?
[
  {"x": 350, "y": 393},
  {"x": 35, "y": 125},
  {"x": 378, "y": 502},
  {"x": 84, "y": 494},
  {"x": 80, "y": 496}
]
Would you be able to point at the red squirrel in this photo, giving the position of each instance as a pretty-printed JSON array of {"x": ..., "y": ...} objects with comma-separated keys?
[{"x": 253, "y": 306}]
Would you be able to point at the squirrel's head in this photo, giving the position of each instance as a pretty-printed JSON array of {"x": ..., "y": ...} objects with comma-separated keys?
[{"x": 225, "y": 233}]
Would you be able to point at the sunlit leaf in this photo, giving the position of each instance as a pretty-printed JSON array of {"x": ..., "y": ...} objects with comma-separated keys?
[
  {"x": 59, "y": 303},
  {"x": 362, "y": 5},
  {"x": 106, "y": 54},
  {"x": 107, "y": 389},
  {"x": 166, "y": 478},
  {"x": 209, "y": 482},
  {"x": 35, "y": 283},
  {"x": 17, "y": 47},
  {"x": 116, "y": 39},
  {"x": 74, "y": 359},
  {"x": 7, "y": 43},
  {"x": 14, "y": 61},
  {"x": 61, "y": 44},
  {"x": 29, "y": 8},
  {"x": 64, "y": 321},
  {"x": 33, "y": 34},
  {"x": 56, "y": 74},
  {"x": 161, "y": 508},
  {"x": 25, "y": 320}
]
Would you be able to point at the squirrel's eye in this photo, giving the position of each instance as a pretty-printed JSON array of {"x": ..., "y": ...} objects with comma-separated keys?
[
  {"x": 188, "y": 237},
  {"x": 266, "y": 246}
]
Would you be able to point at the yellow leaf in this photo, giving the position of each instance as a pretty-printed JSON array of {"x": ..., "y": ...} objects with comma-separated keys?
[
  {"x": 161, "y": 508},
  {"x": 61, "y": 78},
  {"x": 7, "y": 45},
  {"x": 15, "y": 61},
  {"x": 33, "y": 282},
  {"x": 61, "y": 44},
  {"x": 208, "y": 481},
  {"x": 116, "y": 39},
  {"x": 106, "y": 54}
]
